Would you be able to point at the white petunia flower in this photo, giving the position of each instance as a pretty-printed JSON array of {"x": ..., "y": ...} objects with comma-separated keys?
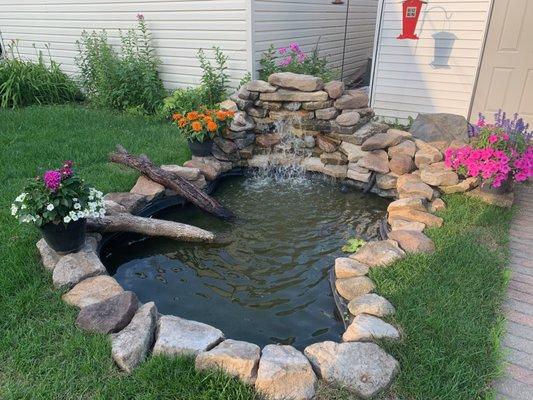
[
  {"x": 67, "y": 219},
  {"x": 50, "y": 207},
  {"x": 14, "y": 209},
  {"x": 77, "y": 206}
]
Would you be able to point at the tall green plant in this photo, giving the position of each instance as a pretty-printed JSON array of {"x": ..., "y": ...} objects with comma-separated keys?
[
  {"x": 23, "y": 82},
  {"x": 125, "y": 80}
]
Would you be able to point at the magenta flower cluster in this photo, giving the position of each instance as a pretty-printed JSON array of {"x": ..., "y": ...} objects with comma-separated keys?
[
  {"x": 499, "y": 152},
  {"x": 290, "y": 53},
  {"x": 52, "y": 178}
]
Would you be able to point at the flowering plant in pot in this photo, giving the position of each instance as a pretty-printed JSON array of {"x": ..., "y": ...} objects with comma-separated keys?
[
  {"x": 58, "y": 202},
  {"x": 201, "y": 127},
  {"x": 500, "y": 153}
]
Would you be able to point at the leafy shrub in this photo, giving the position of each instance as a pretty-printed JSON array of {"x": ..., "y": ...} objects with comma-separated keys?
[
  {"x": 213, "y": 90},
  {"x": 293, "y": 59},
  {"x": 23, "y": 82},
  {"x": 124, "y": 81}
]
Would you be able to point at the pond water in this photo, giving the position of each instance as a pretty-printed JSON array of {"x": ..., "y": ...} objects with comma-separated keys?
[{"x": 270, "y": 283}]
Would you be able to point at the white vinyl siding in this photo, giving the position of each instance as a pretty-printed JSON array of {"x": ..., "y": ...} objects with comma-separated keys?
[
  {"x": 406, "y": 81},
  {"x": 178, "y": 27},
  {"x": 280, "y": 22}
]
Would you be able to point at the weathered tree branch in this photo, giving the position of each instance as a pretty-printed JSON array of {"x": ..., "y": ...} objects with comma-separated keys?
[
  {"x": 150, "y": 227},
  {"x": 171, "y": 181}
]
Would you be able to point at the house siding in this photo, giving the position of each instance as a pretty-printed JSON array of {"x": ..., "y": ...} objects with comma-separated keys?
[
  {"x": 178, "y": 28},
  {"x": 405, "y": 81},
  {"x": 279, "y": 22}
]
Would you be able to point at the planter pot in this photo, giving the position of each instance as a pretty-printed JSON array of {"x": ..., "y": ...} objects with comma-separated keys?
[
  {"x": 506, "y": 187},
  {"x": 201, "y": 149},
  {"x": 63, "y": 238}
]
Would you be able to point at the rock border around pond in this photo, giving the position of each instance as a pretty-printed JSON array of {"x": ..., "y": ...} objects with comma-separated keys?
[{"x": 335, "y": 125}]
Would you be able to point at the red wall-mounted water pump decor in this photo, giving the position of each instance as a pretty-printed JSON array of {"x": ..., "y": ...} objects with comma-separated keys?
[{"x": 410, "y": 13}]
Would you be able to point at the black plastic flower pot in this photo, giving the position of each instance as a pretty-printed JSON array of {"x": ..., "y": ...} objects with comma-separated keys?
[
  {"x": 201, "y": 149},
  {"x": 65, "y": 238}
]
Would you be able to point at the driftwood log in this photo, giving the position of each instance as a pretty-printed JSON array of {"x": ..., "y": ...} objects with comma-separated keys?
[
  {"x": 171, "y": 181},
  {"x": 150, "y": 227}
]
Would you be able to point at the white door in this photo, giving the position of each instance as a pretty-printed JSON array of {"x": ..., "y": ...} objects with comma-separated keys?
[{"x": 506, "y": 75}]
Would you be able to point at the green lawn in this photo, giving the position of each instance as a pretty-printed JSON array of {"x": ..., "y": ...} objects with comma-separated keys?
[{"x": 447, "y": 303}]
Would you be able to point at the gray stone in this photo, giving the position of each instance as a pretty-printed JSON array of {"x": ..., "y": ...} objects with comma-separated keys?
[
  {"x": 386, "y": 181},
  {"x": 350, "y": 288},
  {"x": 372, "y": 304},
  {"x": 188, "y": 173},
  {"x": 379, "y": 253},
  {"x": 269, "y": 105},
  {"x": 363, "y": 368},
  {"x": 147, "y": 187},
  {"x": 113, "y": 208},
  {"x": 242, "y": 122},
  {"x": 241, "y": 104},
  {"x": 260, "y": 86},
  {"x": 357, "y": 134},
  {"x": 383, "y": 140},
  {"x": 440, "y": 127},
  {"x": 317, "y": 105},
  {"x": 357, "y": 99},
  {"x": 244, "y": 142},
  {"x": 257, "y": 112},
  {"x": 235, "y": 358},
  {"x": 413, "y": 241},
  {"x": 327, "y": 113},
  {"x": 92, "y": 290},
  {"x": 365, "y": 328},
  {"x": 289, "y": 80},
  {"x": 299, "y": 115},
  {"x": 314, "y": 125},
  {"x": 292, "y": 105},
  {"x": 180, "y": 337},
  {"x": 294, "y": 95},
  {"x": 243, "y": 93},
  {"x": 75, "y": 267},
  {"x": 376, "y": 160},
  {"x": 110, "y": 315},
  {"x": 309, "y": 141},
  {"x": 285, "y": 373},
  {"x": 346, "y": 267},
  {"x": 49, "y": 256},
  {"x": 131, "y": 345},
  {"x": 335, "y": 89},
  {"x": 222, "y": 156}
]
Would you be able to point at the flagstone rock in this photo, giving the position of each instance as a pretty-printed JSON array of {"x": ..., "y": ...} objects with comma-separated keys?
[
  {"x": 413, "y": 241},
  {"x": 49, "y": 256},
  {"x": 259, "y": 161},
  {"x": 372, "y": 304},
  {"x": 365, "y": 328},
  {"x": 289, "y": 80},
  {"x": 379, "y": 253},
  {"x": 327, "y": 113},
  {"x": 292, "y": 105},
  {"x": 260, "y": 86},
  {"x": 267, "y": 140},
  {"x": 335, "y": 89},
  {"x": 242, "y": 122},
  {"x": 426, "y": 157},
  {"x": 326, "y": 144},
  {"x": 180, "y": 337},
  {"x": 335, "y": 158},
  {"x": 348, "y": 119},
  {"x": 401, "y": 224},
  {"x": 383, "y": 140},
  {"x": 415, "y": 203},
  {"x": 411, "y": 215},
  {"x": 92, "y": 290},
  {"x": 132, "y": 202},
  {"x": 358, "y": 173},
  {"x": 414, "y": 189},
  {"x": 462, "y": 186},
  {"x": 317, "y": 105},
  {"x": 110, "y": 315},
  {"x": 300, "y": 115},
  {"x": 358, "y": 99},
  {"x": 386, "y": 181},
  {"x": 285, "y": 373},
  {"x": 350, "y": 288},
  {"x": 346, "y": 267},
  {"x": 190, "y": 174},
  {"x": 147, "y": 187},
  {"x": 401, "y": 164},
  {"x": 75, "y": 267},
  {"x": 130, "y": 346},
  {"x": 436, "y": 176},
  {"x": 336, "y": 171},
  {"x": 375, "y": 161},
  {"x": 269, "y": 105},
  {"x": 362, "y": 368},
  {"x": 406, "y": 148},
  {"x": 235, "y": 358},
  {"x": 352, "y": 151}
]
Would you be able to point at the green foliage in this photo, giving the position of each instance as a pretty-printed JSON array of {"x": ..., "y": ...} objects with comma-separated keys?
[
  {"x": 23, "y": 82},
  {"x": 398, "y": 125},
  {"x": 184, "y": 100},
  {"x": 126, "y": 81},
  {"x": 353, "y": 245},
  {"x": 293, "y": 59}
]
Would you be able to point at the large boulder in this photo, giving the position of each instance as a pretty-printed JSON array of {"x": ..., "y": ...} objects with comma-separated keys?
[
  {"x": 131, "y": 345},
  {"x": 379, "y": 253},
  {"x": 75, "y": 267},
  {"x": 285, "y": 373},
  {"x": 180, "y": 337},
  {"x": 440, "y": 127},
  {"x": 110, "y": 315},
  {"x": 289, "y": 80},
  {"x": 235, "y": 358},
  {"x": 350, "y": 288},
  {"x": 372, "y": 304},
  {"x": 365, "y": 328},
  {"x": 92, "y": 290},
  {"x": 363, "y": 368}
]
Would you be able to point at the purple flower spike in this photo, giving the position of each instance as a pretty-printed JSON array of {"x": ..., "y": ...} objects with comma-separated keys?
[
  {"x": 295, "y": 47},
  {"x": 282, "y": 50},
  {"x": 52, "y": 180},
  {"x": 285, "y": 61},
  {"x": 140, "y": 17}
]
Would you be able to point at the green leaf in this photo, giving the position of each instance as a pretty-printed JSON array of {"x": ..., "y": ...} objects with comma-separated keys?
[{"x": 353, "y": 245}]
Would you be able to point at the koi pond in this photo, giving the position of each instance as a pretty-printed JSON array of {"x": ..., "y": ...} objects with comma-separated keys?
[{"x": 270, "y": 282}]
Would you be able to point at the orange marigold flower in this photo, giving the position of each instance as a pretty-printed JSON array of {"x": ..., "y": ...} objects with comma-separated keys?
[
  {"x": 176, "y": 116},
  {"x": 221, "y": 115},
  {"x": 196, "y": 126},
  {"x": 212, "y": 126},
  {"x": 192, "y": 116},
  {"x": 182, "y": 122}
]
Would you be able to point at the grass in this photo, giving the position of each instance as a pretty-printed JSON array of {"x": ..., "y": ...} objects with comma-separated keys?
[{"x": 448, "y": 303}]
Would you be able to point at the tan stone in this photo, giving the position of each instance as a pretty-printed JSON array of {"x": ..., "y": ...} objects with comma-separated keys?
[
  {"x": 414, "y": 189},
  {"x": 267, "y": 140},
  {"x": 326, "y": 144},
  {"x": 401, "y": 224},
  {"x": 437, "y": 205},
  {"x": 346, "y": 267},
  {"x": 372, "y": 304},
  {"x": 317, "y": 105},
  {"x": 383, "y": 140},
  {"x": 352, "y": 151},
  {"x": 377, "y": 160},
  {"x": 188, "y": 173},
  {"x": 386, "y": 181},
  {"x": 334, "y": 89},
  {"x": 290, "y": 80},
  {"x": 291, "y": 115},
  {"x": 147, "y": 187},
  {"x": 415, "y": 203},
  {"x": 327, "y": 113},
  {"x": 92, "y": 290},
  {"x": 260, "y": 86},
  {"x": 356, "y": 99},
  {"x": 357, "y": 173},
  {"x": 335, "y": 158},
  {"x": 500, "y": 200},
  {"x": 405, "y": 148},
  {"x": 462, "y": 186},
  {"x": 434, "y": 175},
  {"x": 379, "y": 253},
  {"x": 413, "y": 241},
  {"x": 348, "y": 119},
  {"x": 294, "y": 95},
  {"x": 365, "y": 328},
  {"x": 401, "y": 164},
  {"x": 407, "y": 214},
  {"x": 228, "y": 105},
  {"x": 350, "y": 288}
]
